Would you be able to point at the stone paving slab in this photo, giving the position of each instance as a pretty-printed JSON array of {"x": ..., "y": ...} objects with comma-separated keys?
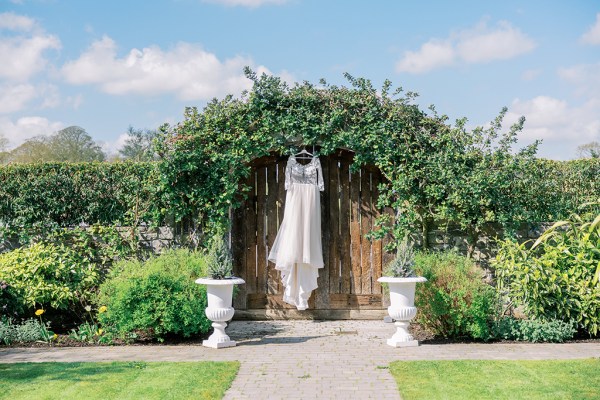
[{"x": 309, "y": 359}]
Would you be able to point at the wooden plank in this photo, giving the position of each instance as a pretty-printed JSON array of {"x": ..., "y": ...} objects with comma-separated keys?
[
  {"x": 365, "y": 227},
  {"x": 271, "y": 210},
  {"x": 345, "y": 251},
  {"x": 257, "y": 301},
  {"x": 281, "y": 193},
  {"x": 261, "y": 238},
  {"x": 355, "y": 301},
  {"x": 250, "y": 237},
  {"x": 376, "y": 247},
  {"x": 238, "y": 251},
  {"x": 321, "y": 294},
  {"x": 334, "y": 241},
  {"x": 355, "y": 234},
  {"x": 273, "y": 314}
]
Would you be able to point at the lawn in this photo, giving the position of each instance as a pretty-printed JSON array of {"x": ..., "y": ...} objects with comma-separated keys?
[
  {"x": 467, "y": 379},
  {"x": 116, "y": 380}
]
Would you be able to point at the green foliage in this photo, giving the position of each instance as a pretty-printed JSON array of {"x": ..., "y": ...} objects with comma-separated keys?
[
  {"x": 139, "y": 145},
  {"x": 402, "y": 265},
  {"x": 63, "y": 269},
  {"x": 87, "y": 332},
  {"x": 157, "y": 297},
  {"x": 42, "y": 197},
  {"x": 534, "y": 330},
  {"x": 454, "y": 302},
  {"x": 558, "y": 278},
  {"x": 47, "y": 274},
  {"x": 10, "y": 305},
  {"x": 31, "y": 330},
  {"x": 219, "y": 259},
  {"x": 591, "y": 150},
  {"x": 72, "y": 144}
]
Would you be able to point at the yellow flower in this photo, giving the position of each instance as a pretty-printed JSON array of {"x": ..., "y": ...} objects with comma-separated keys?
[
  {"x": 102, "y": 309},
  {"x": 54, "y": 336},
  {"x": 99, "y": 332},
  {"x": 39, "y": 312}
]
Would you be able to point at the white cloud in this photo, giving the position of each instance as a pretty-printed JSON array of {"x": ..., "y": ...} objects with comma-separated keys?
[
  {"x": 431, "y": 55},
  {"x": 111, "y": 148},
  {"x": 246, "y": 3},
  {"x": 27, "y": 127},
  {"x": 482, "y": 45},
  {"x": 592, "y": 36},
  {"x": 186, "y": 70},
  {"x": 22, "y": 54},
  {"x": 585, "y": 77},
  {"x": 471, "y": 46},
  {"x": 14, "y": 22},
  {"x": 14, "y": 97},
  {"x": 562, "y": 127}
]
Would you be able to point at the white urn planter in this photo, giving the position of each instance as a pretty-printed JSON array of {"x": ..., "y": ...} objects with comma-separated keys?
[
  {"x": 402, "y": 308},
  {"x": 219, "y": 310}
]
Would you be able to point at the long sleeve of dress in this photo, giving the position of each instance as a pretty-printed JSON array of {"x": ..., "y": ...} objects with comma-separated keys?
[
  {"x": 288, "y": 176},
  {"x": 320, "y": 182}
]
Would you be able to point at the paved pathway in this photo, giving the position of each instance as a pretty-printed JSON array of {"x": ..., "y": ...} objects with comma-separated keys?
[{"x": 309, "y": 359}]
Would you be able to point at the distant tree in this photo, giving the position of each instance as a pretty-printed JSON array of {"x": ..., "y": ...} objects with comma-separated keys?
[
  {"x": 589, "y": 150},
  {"x": 3, "y": 153},
  {"x": 33, "y": 150},
  {"x": 3, "y": 142},
  {"x": 72, "y": 144},
  {"x": 139, "y": 145}
]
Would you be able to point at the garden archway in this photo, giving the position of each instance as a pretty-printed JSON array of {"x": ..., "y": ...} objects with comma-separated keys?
[{"x": 348, "y": 286}]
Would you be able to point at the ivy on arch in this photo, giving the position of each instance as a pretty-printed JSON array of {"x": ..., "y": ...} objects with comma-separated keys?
[{"x": 428, "y": 163}]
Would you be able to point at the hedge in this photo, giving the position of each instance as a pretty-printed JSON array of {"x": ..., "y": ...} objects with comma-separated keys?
[
  {"x": 48, "y": 195},
  {"x": 63, "y": 194}
]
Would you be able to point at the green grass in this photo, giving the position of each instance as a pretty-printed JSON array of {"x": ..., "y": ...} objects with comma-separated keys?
[
  {"x": 116, "y": 380},
  {"x": 555, "y": 379}
]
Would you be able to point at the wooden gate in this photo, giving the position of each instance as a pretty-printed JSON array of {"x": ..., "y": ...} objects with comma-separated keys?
[{"x": 348, "y": 286}]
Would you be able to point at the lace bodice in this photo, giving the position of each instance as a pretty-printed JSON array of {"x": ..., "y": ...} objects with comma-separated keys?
[{"x": 310, "y": 173}]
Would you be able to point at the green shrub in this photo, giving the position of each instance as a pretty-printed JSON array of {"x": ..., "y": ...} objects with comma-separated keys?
[
  {"x": 157, "y": 297},
  {"x": 60, "y": 271},
  {"x": 30, "y": 330},
  {"x": 558, "y": 277},
  {"x": 47, "y": 274},
  {"x": 10, "y": 305},
  {"x": 555, "y": 331},
  {"x": 454, "y": 302}
]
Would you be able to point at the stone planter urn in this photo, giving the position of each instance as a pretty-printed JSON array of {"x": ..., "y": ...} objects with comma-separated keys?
[
  {"x": 402, "y": 308},
  {"x": 219, "y": 310}
]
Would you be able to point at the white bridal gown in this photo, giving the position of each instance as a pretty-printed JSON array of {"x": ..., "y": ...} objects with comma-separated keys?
[{"x": 297, "y": 251}]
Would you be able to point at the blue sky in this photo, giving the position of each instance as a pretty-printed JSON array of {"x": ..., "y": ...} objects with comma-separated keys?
[{"x": 105, "y": 65}]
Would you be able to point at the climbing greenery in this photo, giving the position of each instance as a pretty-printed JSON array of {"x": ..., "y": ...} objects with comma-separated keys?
[{"x": 435, "y": 172}]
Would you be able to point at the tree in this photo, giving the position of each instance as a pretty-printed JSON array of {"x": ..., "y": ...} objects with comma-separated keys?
[
  {"x": 491, "y": 183},
  {"x": 3, "y": 143},
  {"x": 589, "y": 150},
  {"x": 139, "y": 145},
  {"x": 72, "y": 144}
]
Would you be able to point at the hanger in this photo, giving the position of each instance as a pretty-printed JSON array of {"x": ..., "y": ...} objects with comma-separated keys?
[{"x": 304, "y": 155}]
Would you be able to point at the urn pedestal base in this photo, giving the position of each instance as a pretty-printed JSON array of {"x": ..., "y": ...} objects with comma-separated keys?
[{"x": 219, "y": 293}]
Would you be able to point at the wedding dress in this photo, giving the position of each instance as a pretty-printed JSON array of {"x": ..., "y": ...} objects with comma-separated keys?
[{"x": 297, "y": 250}]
